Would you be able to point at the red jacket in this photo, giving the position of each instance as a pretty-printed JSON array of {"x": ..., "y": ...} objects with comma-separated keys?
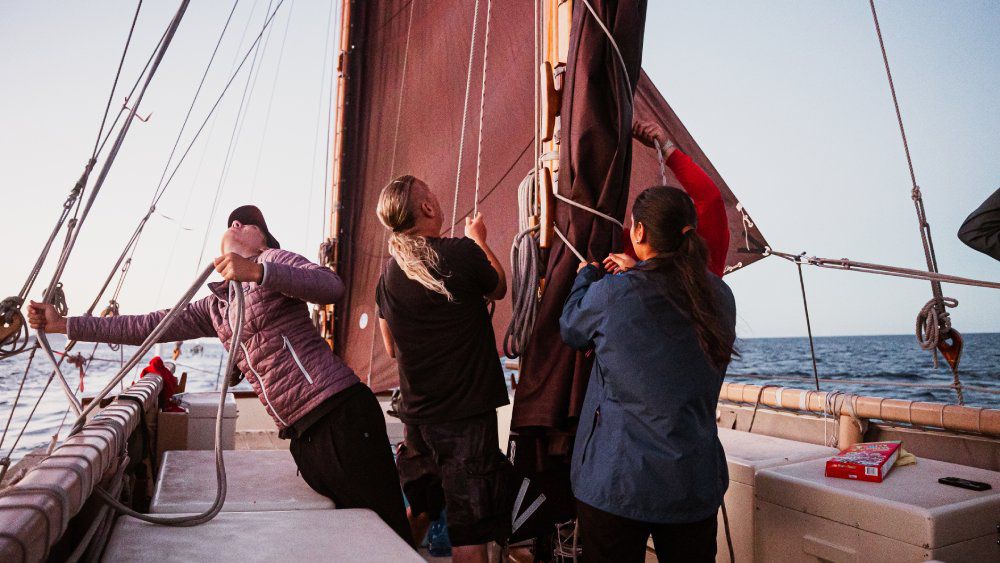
[{"x": 713, "y": 225}]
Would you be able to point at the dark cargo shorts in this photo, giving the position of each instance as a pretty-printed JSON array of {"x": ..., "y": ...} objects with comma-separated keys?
[{"x": 458, "y": 465}]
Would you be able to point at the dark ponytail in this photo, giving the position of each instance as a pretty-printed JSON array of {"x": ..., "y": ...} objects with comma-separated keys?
[{"x": 669, "y": 220}]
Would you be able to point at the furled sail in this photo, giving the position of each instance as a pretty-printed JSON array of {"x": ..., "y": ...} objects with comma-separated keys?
[{"x": 416, "y": 80}]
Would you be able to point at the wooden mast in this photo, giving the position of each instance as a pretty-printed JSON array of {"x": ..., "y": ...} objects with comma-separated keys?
[
  {"x": 328, "y": 249},
  {"x": 557, "y": 21}
]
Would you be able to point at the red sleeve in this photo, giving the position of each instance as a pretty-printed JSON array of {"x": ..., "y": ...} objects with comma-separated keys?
[{"x": 713, "y": 226}]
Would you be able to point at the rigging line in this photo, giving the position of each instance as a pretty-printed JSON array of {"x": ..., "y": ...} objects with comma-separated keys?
[
  {"x": 160, "y": 187},
  {"x": 251, "y": 49},
  {"x": 116, "y": 147},
  {"x": 74, "y": 232},
  {"x": 151, "y": 339},
  {"x": 220, "y": 466},
  {"x": 881, "y": 269},
  {"x": 238, "y": 124},
  {"x": 465, "y": 115},
  {"x": 327, "y": 48},
  {"x": 568, "y": 243},
  {"x": 392, "y": 171},
  {"x": 327, "y": 187},
  {"x": 114, "y": 85},
  {"x": 805, "y": 306},
  {"x": 31, "y": 415},
  {"x": 17, "y": 399},
  {"x": 138, "y": 80},
  {"x": 497, "y": 184},
  {"x": 482, "y": 106},
  {"x": 270, "y": 101},
  {"x": 618, "y": 52},
  {"x": 927, "y": 336},
  {"x": 588, "y": 209}
]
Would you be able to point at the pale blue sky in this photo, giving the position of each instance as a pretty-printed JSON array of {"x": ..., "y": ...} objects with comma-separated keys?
[{"x": 788, "y": 99}]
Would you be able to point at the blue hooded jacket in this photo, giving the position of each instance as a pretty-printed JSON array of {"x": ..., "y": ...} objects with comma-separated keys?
[{"x": 647, "y": 445}]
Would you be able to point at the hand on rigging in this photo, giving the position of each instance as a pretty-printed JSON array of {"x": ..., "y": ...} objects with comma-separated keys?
[
  {"x": 618, "y": 263},
  {"x": 475, "y": 228},
  {"x": 43, "y": 316},
  {"x": 648, "y": 133},
  {"x": 234, "y": 267}
]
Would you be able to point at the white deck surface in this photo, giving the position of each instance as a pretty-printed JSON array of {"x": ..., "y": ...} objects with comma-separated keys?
[
  {"x": 257, "y": 480},
  {"x": 298, "y": 535}
]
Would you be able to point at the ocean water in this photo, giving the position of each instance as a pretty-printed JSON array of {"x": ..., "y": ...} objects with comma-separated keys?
[{"x": 888, "y": 366}]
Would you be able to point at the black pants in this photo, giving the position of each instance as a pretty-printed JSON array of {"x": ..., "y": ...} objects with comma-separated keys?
[
  {"x": 608, "y": 537},
  {"x": 458, "y": 465},
  {"x": 346, "y": 457}
]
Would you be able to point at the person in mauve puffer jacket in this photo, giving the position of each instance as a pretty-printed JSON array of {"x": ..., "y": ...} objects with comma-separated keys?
[{"x": 337, "y": 431}]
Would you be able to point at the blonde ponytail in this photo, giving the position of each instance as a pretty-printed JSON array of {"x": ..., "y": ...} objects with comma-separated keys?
[{"x": 418, "y": 260}]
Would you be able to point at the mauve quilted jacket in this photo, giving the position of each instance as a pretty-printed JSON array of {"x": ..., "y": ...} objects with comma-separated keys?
[{"x": 289, "y": 365}]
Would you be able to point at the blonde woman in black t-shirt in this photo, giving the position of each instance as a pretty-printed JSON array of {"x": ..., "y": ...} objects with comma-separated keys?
[{"x": 432, "y": 299}]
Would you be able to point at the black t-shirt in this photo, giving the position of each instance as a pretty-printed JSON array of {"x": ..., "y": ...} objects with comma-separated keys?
[{"x": 446, "y": 351}]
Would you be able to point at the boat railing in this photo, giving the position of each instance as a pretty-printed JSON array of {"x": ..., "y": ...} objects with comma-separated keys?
[
  {"x": 36, "y": 511},
  {"x": 950, "y": 417}
]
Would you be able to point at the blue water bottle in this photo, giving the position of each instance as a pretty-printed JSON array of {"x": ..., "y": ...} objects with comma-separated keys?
[{"x": 438, "y": 543}]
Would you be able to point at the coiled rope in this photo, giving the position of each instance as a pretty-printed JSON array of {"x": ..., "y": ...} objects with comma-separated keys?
[{"x": 525, "y": 266}]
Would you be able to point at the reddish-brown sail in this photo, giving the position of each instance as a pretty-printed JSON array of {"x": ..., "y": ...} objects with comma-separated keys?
[{"x": 408, "y": 71}]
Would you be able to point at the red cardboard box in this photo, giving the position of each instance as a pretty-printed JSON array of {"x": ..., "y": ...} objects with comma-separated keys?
[{"x": 864, "y": 462}]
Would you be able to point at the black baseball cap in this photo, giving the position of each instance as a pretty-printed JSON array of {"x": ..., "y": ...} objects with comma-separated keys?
[{"x": 251, "y": 215}]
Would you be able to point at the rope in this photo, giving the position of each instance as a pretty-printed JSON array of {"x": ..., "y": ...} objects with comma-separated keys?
[
  {"x": 931, "y": 327},
  {"x": 16, "y": 341},
  {"x": 220, "y": 465},
  {"x": 568, "y": 244},
  {"x": 525, "y": 266},
  {"x": 614, "y": 44},
  {"x": 238, "y": 124},
  {"x": 5, "y": 462},
  {"x": 832, "y": 405},
  {"x": 881, "y": 269},
  {"x": 327, "y": 138},
  {"x": 805, "y": 306},
  {"x": 114, "y": 85},
  {"x": 270, "y": 101},
  {"x": 328, "y": 63},
  {"x": 6, "y": 346},
  {"x": 928, "y": 339},
  {"x": 465, "y": 116},
  {"x": 663, "y": 163},
  {"x": 756, "y": 404},
  {"x": 590, "y": 210},
  {"x": 729, "y": 535},
  {"x": 148, "y": 343},
  {"x": 116, "y": 147},
  {"x": 6, "y": 459},
  {"x": 482, "y": 110},
  {"x": 73, "y": 230}
]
